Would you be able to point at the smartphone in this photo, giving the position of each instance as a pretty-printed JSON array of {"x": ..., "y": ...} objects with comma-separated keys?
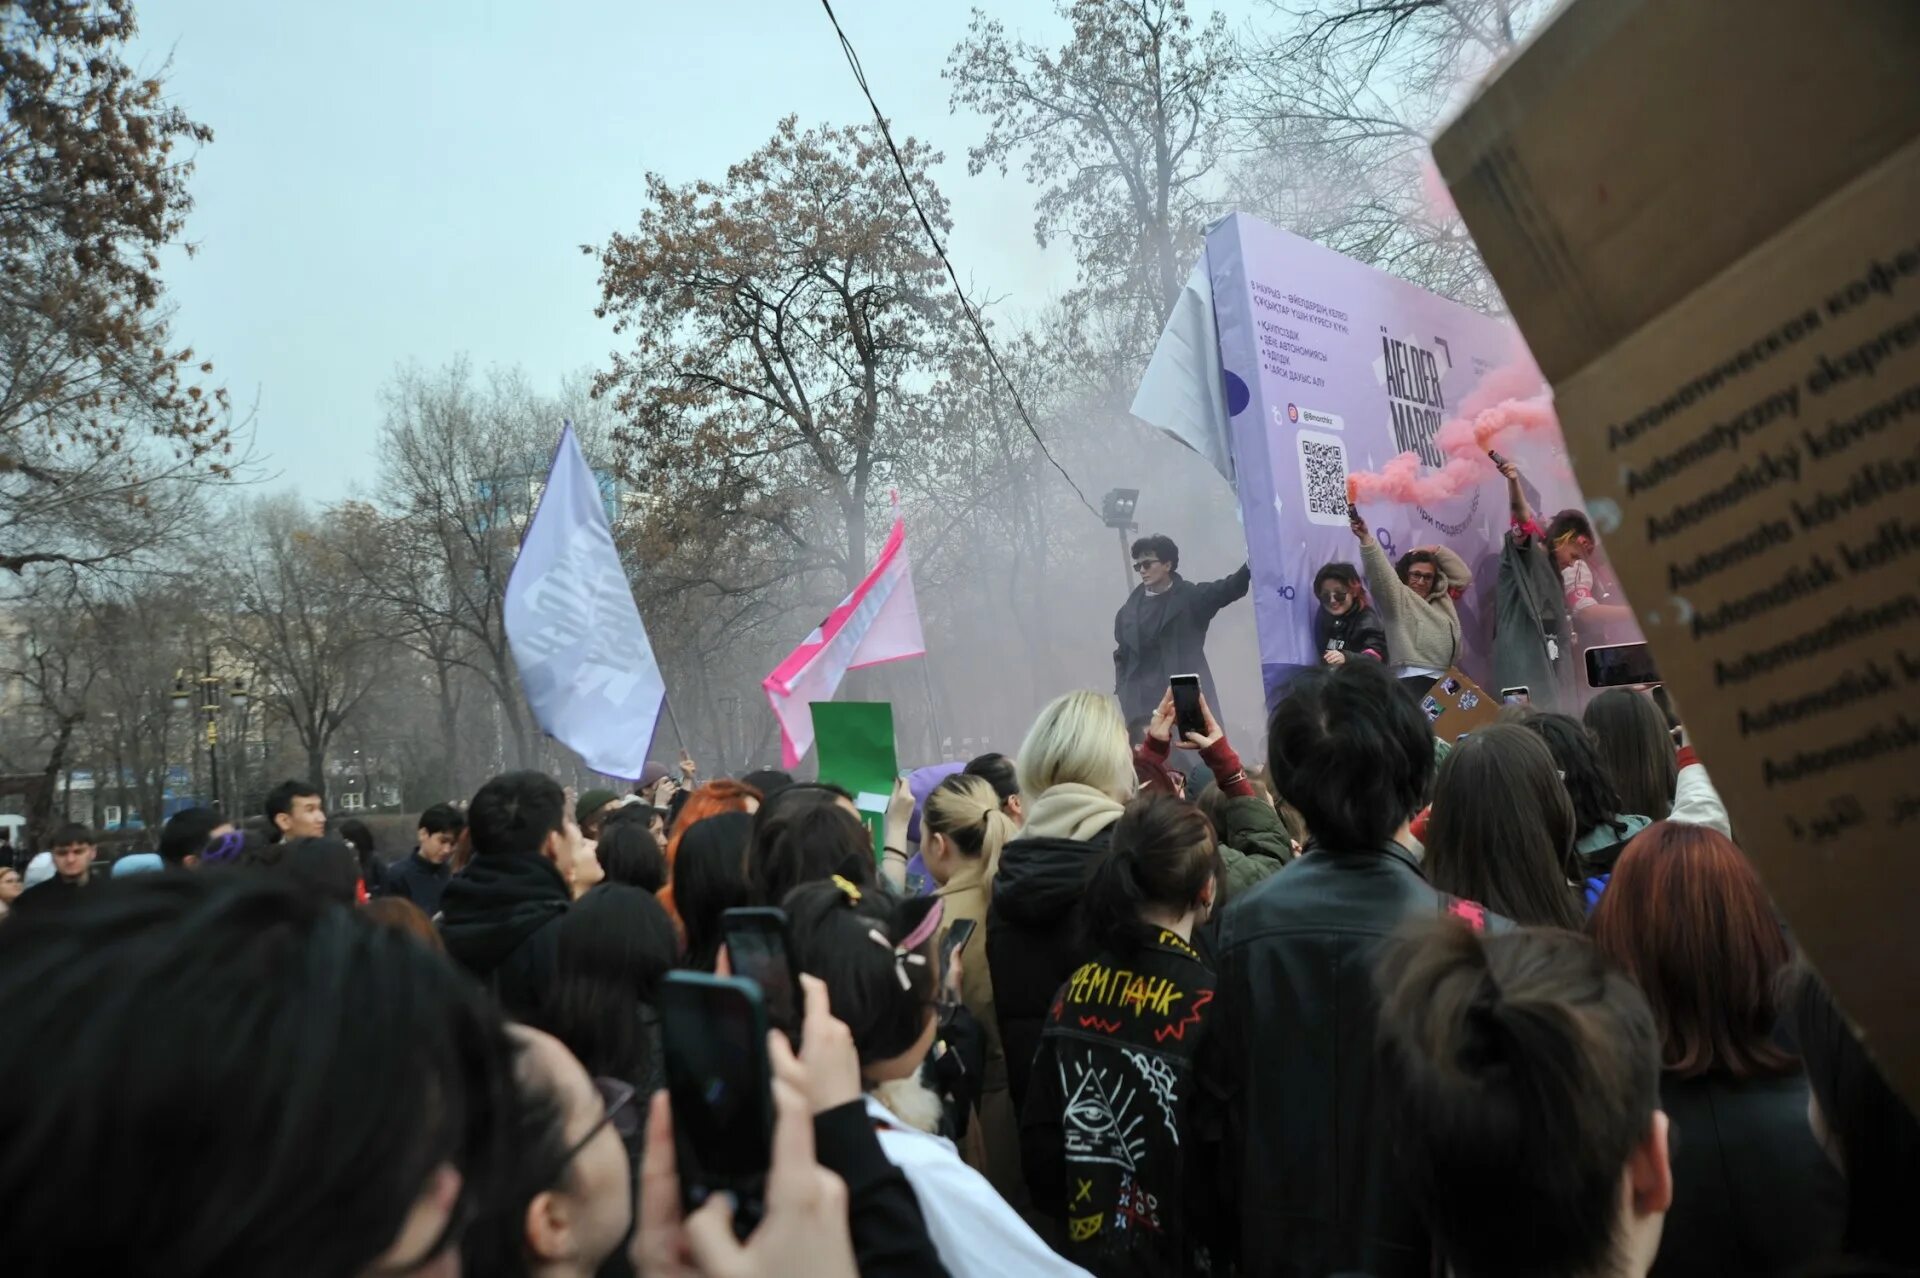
[
  {"x": 1619, "y": 665},
  {"x": 713, "y": 1037},
  {"x": 760, "y": 947},
  {"x": 1517, "y": 696},
  {"x": 1186, "y": 707},
  {"x": 952, "y": 943}
]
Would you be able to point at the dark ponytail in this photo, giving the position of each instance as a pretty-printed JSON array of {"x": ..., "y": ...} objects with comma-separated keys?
[
  {"x": 1163, "y": 854},
  {"x": 1523, "y": 1070},
  {"x": 835, "y": 925}
]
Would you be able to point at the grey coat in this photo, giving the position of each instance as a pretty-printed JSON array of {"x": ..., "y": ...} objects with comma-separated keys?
[{"x": 1530, "y": 626}]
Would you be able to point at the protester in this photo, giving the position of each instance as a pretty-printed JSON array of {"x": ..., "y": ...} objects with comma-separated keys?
[
  {"x": 1685, "y": 917},
  {"x": 295, "y": 810},
  {"x": 811, "y": 833},
  {"x": 630, "y": 854},
  {"x": 403, "y": 915},
  {"x": 567, "y": 1204},
  {"x": 186, "y": 834},
  {"x": 1868, "y": 1132},
  {"x": 1533, "y": 643},
  {"x": 965, "y": 831},
  {"x": 1520, "y": 1073},
  {"x": 11, "y": 886},
  {"x": 767, "y": 782},
  {"x": 358, "y": 835},
  {"x": 1253, "y": 842},
  {"x": 587, "y": 873},
  {"x": 1077, "y": 770},
  {"x": 1345, "y": 626},
  {"x": 710, "y": 878},
  {"x": 323, "y": 868},
  {"x": 1596, "y": 607},
  {"x": 1502, "y": 829},
  {"x": 71, "y": 855},
  {"x": 1602, "y": 829},
  {"x": 496, "y": 916},
  {"x": 614, "y": 947},
  {"x": 1415, "y": 598},
  {"x": 1308, "y": 1183},
  {"x": 240, "y": 1135},
  {"x": 1138, "y": 1012},
  {"x": 1636, "y": 749},
  {"x": 421, "y": 876},
  {"x": 998, "y": 771},
  {"x": 710, "y": 800},
  {"x": 874, "y": 953},
  {"x": 1161, "y": 630},
  {"x": 591, "y": 808}
]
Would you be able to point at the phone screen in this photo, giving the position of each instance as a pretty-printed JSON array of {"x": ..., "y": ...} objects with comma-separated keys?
[
  {"x": 757, "y": 947},
  {"x": 1186, "y": 706},
  {"x": 713, "y": 1035},
  {"x": 952, "y": 943},
  {"x": 1519, "y": 696},
  {"x": 1620, "y": 664}
]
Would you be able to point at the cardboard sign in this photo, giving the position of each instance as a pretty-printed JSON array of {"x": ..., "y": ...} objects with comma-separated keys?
[
  {"x": 1707, "y": 223},
  {"x": 1457, "y": 706}
]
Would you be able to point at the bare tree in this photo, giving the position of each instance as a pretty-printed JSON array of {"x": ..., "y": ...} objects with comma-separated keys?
[
  {"x": 1333, "y": 116},
  {"x": 1121, "y": 131},
  {"x": 297, "y": 623}
]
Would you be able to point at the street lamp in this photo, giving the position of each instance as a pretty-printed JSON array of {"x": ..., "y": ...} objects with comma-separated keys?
[
  {"x": 210, "y": 689},
  {"x": 1116, "y": 511}
]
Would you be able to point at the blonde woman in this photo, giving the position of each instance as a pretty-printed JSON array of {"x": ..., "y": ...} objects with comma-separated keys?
[
  {"x": 965, "y": 829},
  {"x": 1076, "y": 774}
]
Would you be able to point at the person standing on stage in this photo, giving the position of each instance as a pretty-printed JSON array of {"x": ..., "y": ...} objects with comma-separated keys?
[{"x": 1161, "y": 630}]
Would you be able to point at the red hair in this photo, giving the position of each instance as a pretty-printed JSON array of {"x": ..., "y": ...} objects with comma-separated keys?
[
  {"x": 710, "y": 800},
  {"x": 1686, "y": 916}
]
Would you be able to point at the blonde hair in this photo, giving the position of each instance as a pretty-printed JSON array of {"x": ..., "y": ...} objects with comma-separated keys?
[
  {"x": 1079, "y": 737},
  {"x": 967, "y": 810}
]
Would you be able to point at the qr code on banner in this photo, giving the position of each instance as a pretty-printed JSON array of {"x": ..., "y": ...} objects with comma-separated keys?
[{"x": 1323, "y": 477}]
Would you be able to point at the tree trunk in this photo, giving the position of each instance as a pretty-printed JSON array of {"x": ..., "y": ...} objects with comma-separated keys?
[{"x": 40, "y": 809}]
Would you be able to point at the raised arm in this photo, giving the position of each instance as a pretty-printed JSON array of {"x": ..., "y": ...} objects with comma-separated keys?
[
  {"x": 1212, "y": 596},
  {"x": 1452, "y": 567},
  {"x": 1517, "y": 503}
]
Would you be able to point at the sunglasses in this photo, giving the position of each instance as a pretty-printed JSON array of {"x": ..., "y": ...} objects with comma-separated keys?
[
  {"x": 622, "y": 1115},
  {"x": 1334, "y": 596},
  {"x": 1141, "y": 565}
]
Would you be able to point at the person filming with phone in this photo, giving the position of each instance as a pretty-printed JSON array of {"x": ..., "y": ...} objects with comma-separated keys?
[{"x": 1162, "y": 627}]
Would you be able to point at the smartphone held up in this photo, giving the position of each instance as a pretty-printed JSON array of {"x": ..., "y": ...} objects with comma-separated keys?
[{"x": 713, "y": 1033}]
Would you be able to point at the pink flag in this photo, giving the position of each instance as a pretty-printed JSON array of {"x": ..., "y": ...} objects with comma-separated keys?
[{"x": 877, "y": 623}]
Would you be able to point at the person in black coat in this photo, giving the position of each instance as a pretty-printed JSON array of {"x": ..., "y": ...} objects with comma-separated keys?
[
  {"x": 1345, "y": 626},
  {"x": 1753, "y": 1194},
  {"x": 1161, "y": 630},
  {"x": 1077, "y": 768},
  {"x": 421, "y": 876},
  {"x": 1307, "y": 1184},
  {"x": 497, "y": 914}
]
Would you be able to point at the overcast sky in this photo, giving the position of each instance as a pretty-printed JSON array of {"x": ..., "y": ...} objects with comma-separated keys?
[{"x": 408, "y": 181}]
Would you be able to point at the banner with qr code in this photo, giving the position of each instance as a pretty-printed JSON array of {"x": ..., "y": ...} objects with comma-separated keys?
[{"x": 1331, "y": 366}]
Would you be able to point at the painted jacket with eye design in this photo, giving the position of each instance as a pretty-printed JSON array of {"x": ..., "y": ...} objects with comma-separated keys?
[{"x": 1104, "y": 1136}]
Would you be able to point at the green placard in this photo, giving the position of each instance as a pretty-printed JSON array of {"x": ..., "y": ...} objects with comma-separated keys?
[{"x": 855, "y": 740}]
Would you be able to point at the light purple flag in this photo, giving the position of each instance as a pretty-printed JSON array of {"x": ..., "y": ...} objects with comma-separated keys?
[{"x": 576, "y": 634}]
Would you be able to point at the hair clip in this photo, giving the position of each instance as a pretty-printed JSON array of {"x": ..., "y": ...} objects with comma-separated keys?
[
  {"x": 908, "y": 950},
  {"x": 847, "y": 889}
]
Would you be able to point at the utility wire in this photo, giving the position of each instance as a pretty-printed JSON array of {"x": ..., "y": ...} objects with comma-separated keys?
[{"x": 973, "y": 316}]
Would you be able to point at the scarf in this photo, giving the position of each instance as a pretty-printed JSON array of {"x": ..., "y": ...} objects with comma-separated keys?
[{"x": 1071, "y": 810}]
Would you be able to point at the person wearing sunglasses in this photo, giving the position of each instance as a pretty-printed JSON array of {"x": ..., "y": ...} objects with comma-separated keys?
[
  {"x": 1161, "y": 630},
  {"x": 1345, "y": 626},
  {"x": 568, "y": 1202},
  {"x": 1416, "y": 601}
]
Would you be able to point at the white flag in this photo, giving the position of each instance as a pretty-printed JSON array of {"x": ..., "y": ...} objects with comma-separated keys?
[{"x": 575, "y": 631}]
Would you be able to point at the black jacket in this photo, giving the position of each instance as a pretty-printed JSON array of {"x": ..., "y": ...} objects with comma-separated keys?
[
  {"x": 1356, "y": 631},
  {"x": 889, "y": 1234},
  {"x": 417, "y": 879},
  {"x": 1753, "y": 1194},
  {"x": 1033, "y": 941},
  {"x": 496, "y": 917},
  {"x": 1105, "y": 1133},
  {"x": 1305, "y": 1172},
  {"x": 1157, "y": 638}
]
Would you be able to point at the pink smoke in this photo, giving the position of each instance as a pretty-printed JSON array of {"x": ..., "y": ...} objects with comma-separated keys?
[{"x": 1507, "y": 404}]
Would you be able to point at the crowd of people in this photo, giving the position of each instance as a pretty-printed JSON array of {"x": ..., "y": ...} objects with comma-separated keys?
[{"x": 1378, "y": 1007}]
